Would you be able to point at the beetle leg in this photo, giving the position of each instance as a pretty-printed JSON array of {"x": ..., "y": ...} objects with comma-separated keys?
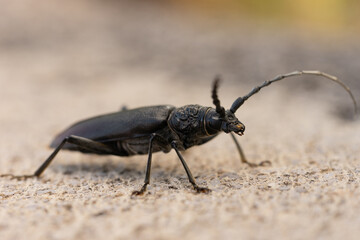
[
  {"x": 79, "y": 141},
  {"x": 242, "y": 155},
  {"x": 148, "y": 170},
  {"x": 124, "y": 108},
  {"x": 188, "y": 172}
]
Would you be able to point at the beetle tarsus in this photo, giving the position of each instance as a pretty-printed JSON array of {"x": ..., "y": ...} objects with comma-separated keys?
[
  {"x": 19, "y": 177},
  {"x": 202, "y": 189},
  {"x": 261, "y": 164},
  {"x": 243, "y": 158},
  {"x": 141, "y": 192},
  {"x": 265, "y": 163}
]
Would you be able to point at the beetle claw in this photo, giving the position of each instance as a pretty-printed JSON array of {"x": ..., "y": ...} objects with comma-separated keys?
[
  {"x": 265, "y": 163},
  {"x": 261, "y": 164},
  {"x": 137, "y": 193},
  {"x": 141, "y": 192},
  {"x": 202, "y": 189}
]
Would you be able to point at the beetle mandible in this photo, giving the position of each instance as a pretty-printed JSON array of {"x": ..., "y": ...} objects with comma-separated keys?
[{"x": 151, "y": 129}]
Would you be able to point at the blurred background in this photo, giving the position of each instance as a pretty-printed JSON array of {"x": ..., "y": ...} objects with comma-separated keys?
[
  {"x": 62, "y": 61},
  {"x": 50, "y": 49}
]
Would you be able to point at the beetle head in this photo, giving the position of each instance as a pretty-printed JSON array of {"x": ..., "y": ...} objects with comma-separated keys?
[
  {"x": 227, "y": 123},
  {"x": 222, "y": 120},
  {"x": 231, "y": 124}
]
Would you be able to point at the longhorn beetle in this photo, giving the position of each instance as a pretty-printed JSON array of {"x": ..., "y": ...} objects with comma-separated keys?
[{"x": 146, "y": 130}]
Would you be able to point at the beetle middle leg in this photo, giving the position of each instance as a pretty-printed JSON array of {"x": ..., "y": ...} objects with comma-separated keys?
[
  {"x": 188, "y": 172},
  {"x": 85, "y": 143},
  {"x": 148, "y": 170},
  {"x": 242, "y": 155}
]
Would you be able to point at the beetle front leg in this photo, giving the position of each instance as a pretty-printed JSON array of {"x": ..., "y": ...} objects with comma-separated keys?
[
  {"x": 242, "y": 155},
  {"x": 148, "y": 170},
  {"x": 188, "y": 172}
]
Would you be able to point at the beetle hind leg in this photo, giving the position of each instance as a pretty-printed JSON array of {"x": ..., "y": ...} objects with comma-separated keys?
[
  {"x": 85, "y": 143},
  {"x": 243, "y": 157}
]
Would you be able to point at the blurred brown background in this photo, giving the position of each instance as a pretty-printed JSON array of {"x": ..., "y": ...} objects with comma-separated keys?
[
  {"x": 234, "y": 38},
  {"x": 99, "y": 42},
  {"x": 62, "y": 61}
]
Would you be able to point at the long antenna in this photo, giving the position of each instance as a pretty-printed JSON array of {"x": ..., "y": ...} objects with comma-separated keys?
[
  {"x": 216, "y": 101},
  {"x": 238, "y": 102}
]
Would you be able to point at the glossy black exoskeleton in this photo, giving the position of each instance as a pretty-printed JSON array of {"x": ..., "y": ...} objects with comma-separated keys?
[{"x": 159, "y": 128}]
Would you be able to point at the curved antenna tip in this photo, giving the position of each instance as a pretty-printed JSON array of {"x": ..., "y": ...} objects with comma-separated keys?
[{"x": 238, "y": 102}]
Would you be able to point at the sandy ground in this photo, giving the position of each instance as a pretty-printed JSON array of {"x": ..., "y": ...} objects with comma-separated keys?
[{"x": 311, "y": 191}]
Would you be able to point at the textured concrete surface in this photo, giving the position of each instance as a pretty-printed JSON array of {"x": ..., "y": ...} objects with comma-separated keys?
[{"x": 311, "y": 191}]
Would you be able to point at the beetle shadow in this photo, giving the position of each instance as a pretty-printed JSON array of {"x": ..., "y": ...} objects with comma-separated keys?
[
  {"x": 102, "y": 170},
  {"x": 128, "y": 173}
]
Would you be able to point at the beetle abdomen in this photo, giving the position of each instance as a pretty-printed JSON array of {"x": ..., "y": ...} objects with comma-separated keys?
[
  {"x": 118, "y": 126},
  {"x": 140, "y": 146}
]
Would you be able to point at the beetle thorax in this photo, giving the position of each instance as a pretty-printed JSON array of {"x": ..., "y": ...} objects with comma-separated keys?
[{"x": 189, "y": 120}]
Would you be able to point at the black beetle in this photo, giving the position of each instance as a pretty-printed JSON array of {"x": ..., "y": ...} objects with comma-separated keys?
[{"x": 159, "y": 128}]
